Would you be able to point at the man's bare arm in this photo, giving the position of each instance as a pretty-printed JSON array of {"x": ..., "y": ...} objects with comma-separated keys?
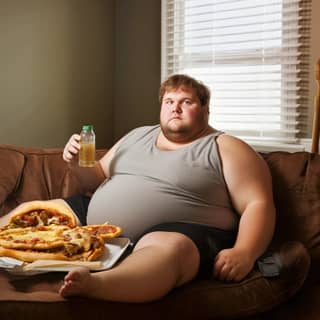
[
  {"x": 89, "y": 177},
  {"x": 250, "y": 187}
]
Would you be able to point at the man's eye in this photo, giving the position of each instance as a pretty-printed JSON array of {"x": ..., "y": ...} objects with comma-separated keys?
[{"x": 187, "y": 102}]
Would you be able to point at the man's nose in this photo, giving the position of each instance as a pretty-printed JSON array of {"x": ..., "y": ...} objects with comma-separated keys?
[{"x": 176, "y": 107}]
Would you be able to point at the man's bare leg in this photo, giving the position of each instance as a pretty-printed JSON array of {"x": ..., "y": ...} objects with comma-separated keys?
[{"x": 160, "y": 262}]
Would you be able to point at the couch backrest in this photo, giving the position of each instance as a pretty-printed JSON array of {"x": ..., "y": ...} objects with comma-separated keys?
[
  {"x": 296, "y": 188},
  {"x": 32, "y": 173}
]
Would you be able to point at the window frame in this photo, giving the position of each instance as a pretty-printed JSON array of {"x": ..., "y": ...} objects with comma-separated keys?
[{"x": 297, "y": 144}]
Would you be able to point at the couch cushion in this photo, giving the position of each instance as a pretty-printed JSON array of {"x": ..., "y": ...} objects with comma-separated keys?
[{"x": 11, "y": 167}]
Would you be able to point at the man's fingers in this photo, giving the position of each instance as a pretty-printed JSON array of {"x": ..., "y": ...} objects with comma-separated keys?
[
  {"x": 71, "y": 148},
  {"x": 217, "y": 267},
  {"x": 74, "y": 149},
  {"x": 221, "y": 269}
]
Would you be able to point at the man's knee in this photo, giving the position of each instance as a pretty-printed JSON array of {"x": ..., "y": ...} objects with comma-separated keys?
[
  {"x": 169, "y": 240},
  {"x": 176, "y": 245}
]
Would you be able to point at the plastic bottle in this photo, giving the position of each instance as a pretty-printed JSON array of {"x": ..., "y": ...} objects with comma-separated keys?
[{"x": 87, "y": 151}]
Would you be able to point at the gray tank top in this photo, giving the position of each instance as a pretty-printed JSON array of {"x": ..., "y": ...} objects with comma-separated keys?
[{"x": 150, "y": 186}]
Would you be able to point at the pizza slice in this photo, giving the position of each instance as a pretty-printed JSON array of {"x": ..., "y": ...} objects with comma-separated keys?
[
  {"x": 36, "y": 238},
  {"x": 41, "y": 213},
  {"x": 51, "y": 243},
  {"x": 106, "y": 231}
]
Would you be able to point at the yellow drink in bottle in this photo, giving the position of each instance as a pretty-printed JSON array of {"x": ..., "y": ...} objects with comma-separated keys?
[{"x": 87, "y": 153}]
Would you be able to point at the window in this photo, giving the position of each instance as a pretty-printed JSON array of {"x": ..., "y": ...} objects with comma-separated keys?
[{"x": 254, "y": 56}]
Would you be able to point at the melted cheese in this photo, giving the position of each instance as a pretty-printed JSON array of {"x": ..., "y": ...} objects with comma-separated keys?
[
  {"x": 53, "y": 220},
  {"x": 81, "y": 239},
  {"x": 29, "y": 234},
  {"x": 40, "y": 222}
]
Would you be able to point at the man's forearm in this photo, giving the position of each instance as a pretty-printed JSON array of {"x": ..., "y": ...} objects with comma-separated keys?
[{"x": 256, "y": 229}]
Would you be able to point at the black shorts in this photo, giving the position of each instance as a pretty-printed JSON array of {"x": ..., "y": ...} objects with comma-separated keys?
[
  {"x": 208, "y": 240},
  {"x": 79, "y": 204}
]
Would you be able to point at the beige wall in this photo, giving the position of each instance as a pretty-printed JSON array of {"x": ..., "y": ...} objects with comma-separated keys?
[
  {"x": 68, "y": 62},
  {"x": 56, "y": 63},
  {"x": 137, "y": 77}
]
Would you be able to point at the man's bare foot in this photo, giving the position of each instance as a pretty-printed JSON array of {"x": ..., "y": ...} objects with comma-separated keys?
[{"x": 76, "y": 282}]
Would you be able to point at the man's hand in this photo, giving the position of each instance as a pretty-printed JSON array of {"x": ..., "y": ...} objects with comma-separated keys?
[
  {"x": 232, "y": 264},
  {"x": 71, "y": 148}
]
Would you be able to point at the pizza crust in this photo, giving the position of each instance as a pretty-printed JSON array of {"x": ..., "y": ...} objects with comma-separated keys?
[
  {"x": 106, "y": 231},
  {"x": 31, "y": 256}
]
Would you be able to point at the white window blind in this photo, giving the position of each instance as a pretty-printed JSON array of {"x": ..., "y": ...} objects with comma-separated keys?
[{"x": 254, "y": 56}]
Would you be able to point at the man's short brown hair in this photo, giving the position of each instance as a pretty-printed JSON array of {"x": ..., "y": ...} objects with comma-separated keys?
[{"x": 177, "y": 81}]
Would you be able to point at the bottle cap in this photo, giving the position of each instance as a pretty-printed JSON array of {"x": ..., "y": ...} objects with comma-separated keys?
[{"x": 87, "y": 127}]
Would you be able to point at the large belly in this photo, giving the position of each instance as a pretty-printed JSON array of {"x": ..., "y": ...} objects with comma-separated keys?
[{"x": 137, "y": 203}]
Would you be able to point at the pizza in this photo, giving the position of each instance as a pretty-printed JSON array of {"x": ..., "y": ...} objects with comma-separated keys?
[
  {"x": 41, "y": 213},
  {"x": 43, "y": 230},
  {"x": 103, "y": 230},
  {"x": 51, "y": 243},
  {"x": 56, "y": 242}
]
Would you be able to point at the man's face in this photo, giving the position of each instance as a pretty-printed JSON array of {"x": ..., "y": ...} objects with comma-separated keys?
[{"x": 182, "y": 117}]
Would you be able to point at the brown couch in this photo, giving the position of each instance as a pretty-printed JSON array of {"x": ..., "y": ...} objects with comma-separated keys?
[{"x": 30, "y": 173}]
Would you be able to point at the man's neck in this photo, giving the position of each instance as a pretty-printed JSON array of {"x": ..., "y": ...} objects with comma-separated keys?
[{"x": 163, "y": 143}]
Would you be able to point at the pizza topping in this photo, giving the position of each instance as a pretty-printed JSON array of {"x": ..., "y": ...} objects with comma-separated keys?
[
  {"x": 39, "y": 218},
  {"x": 71, "y": 248},
  {"x": 104, "y": 230},
  {"x": 53, "y": 220},
  {"x": 32, "y": 237},
  {"x": 78, "y": 238}
]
